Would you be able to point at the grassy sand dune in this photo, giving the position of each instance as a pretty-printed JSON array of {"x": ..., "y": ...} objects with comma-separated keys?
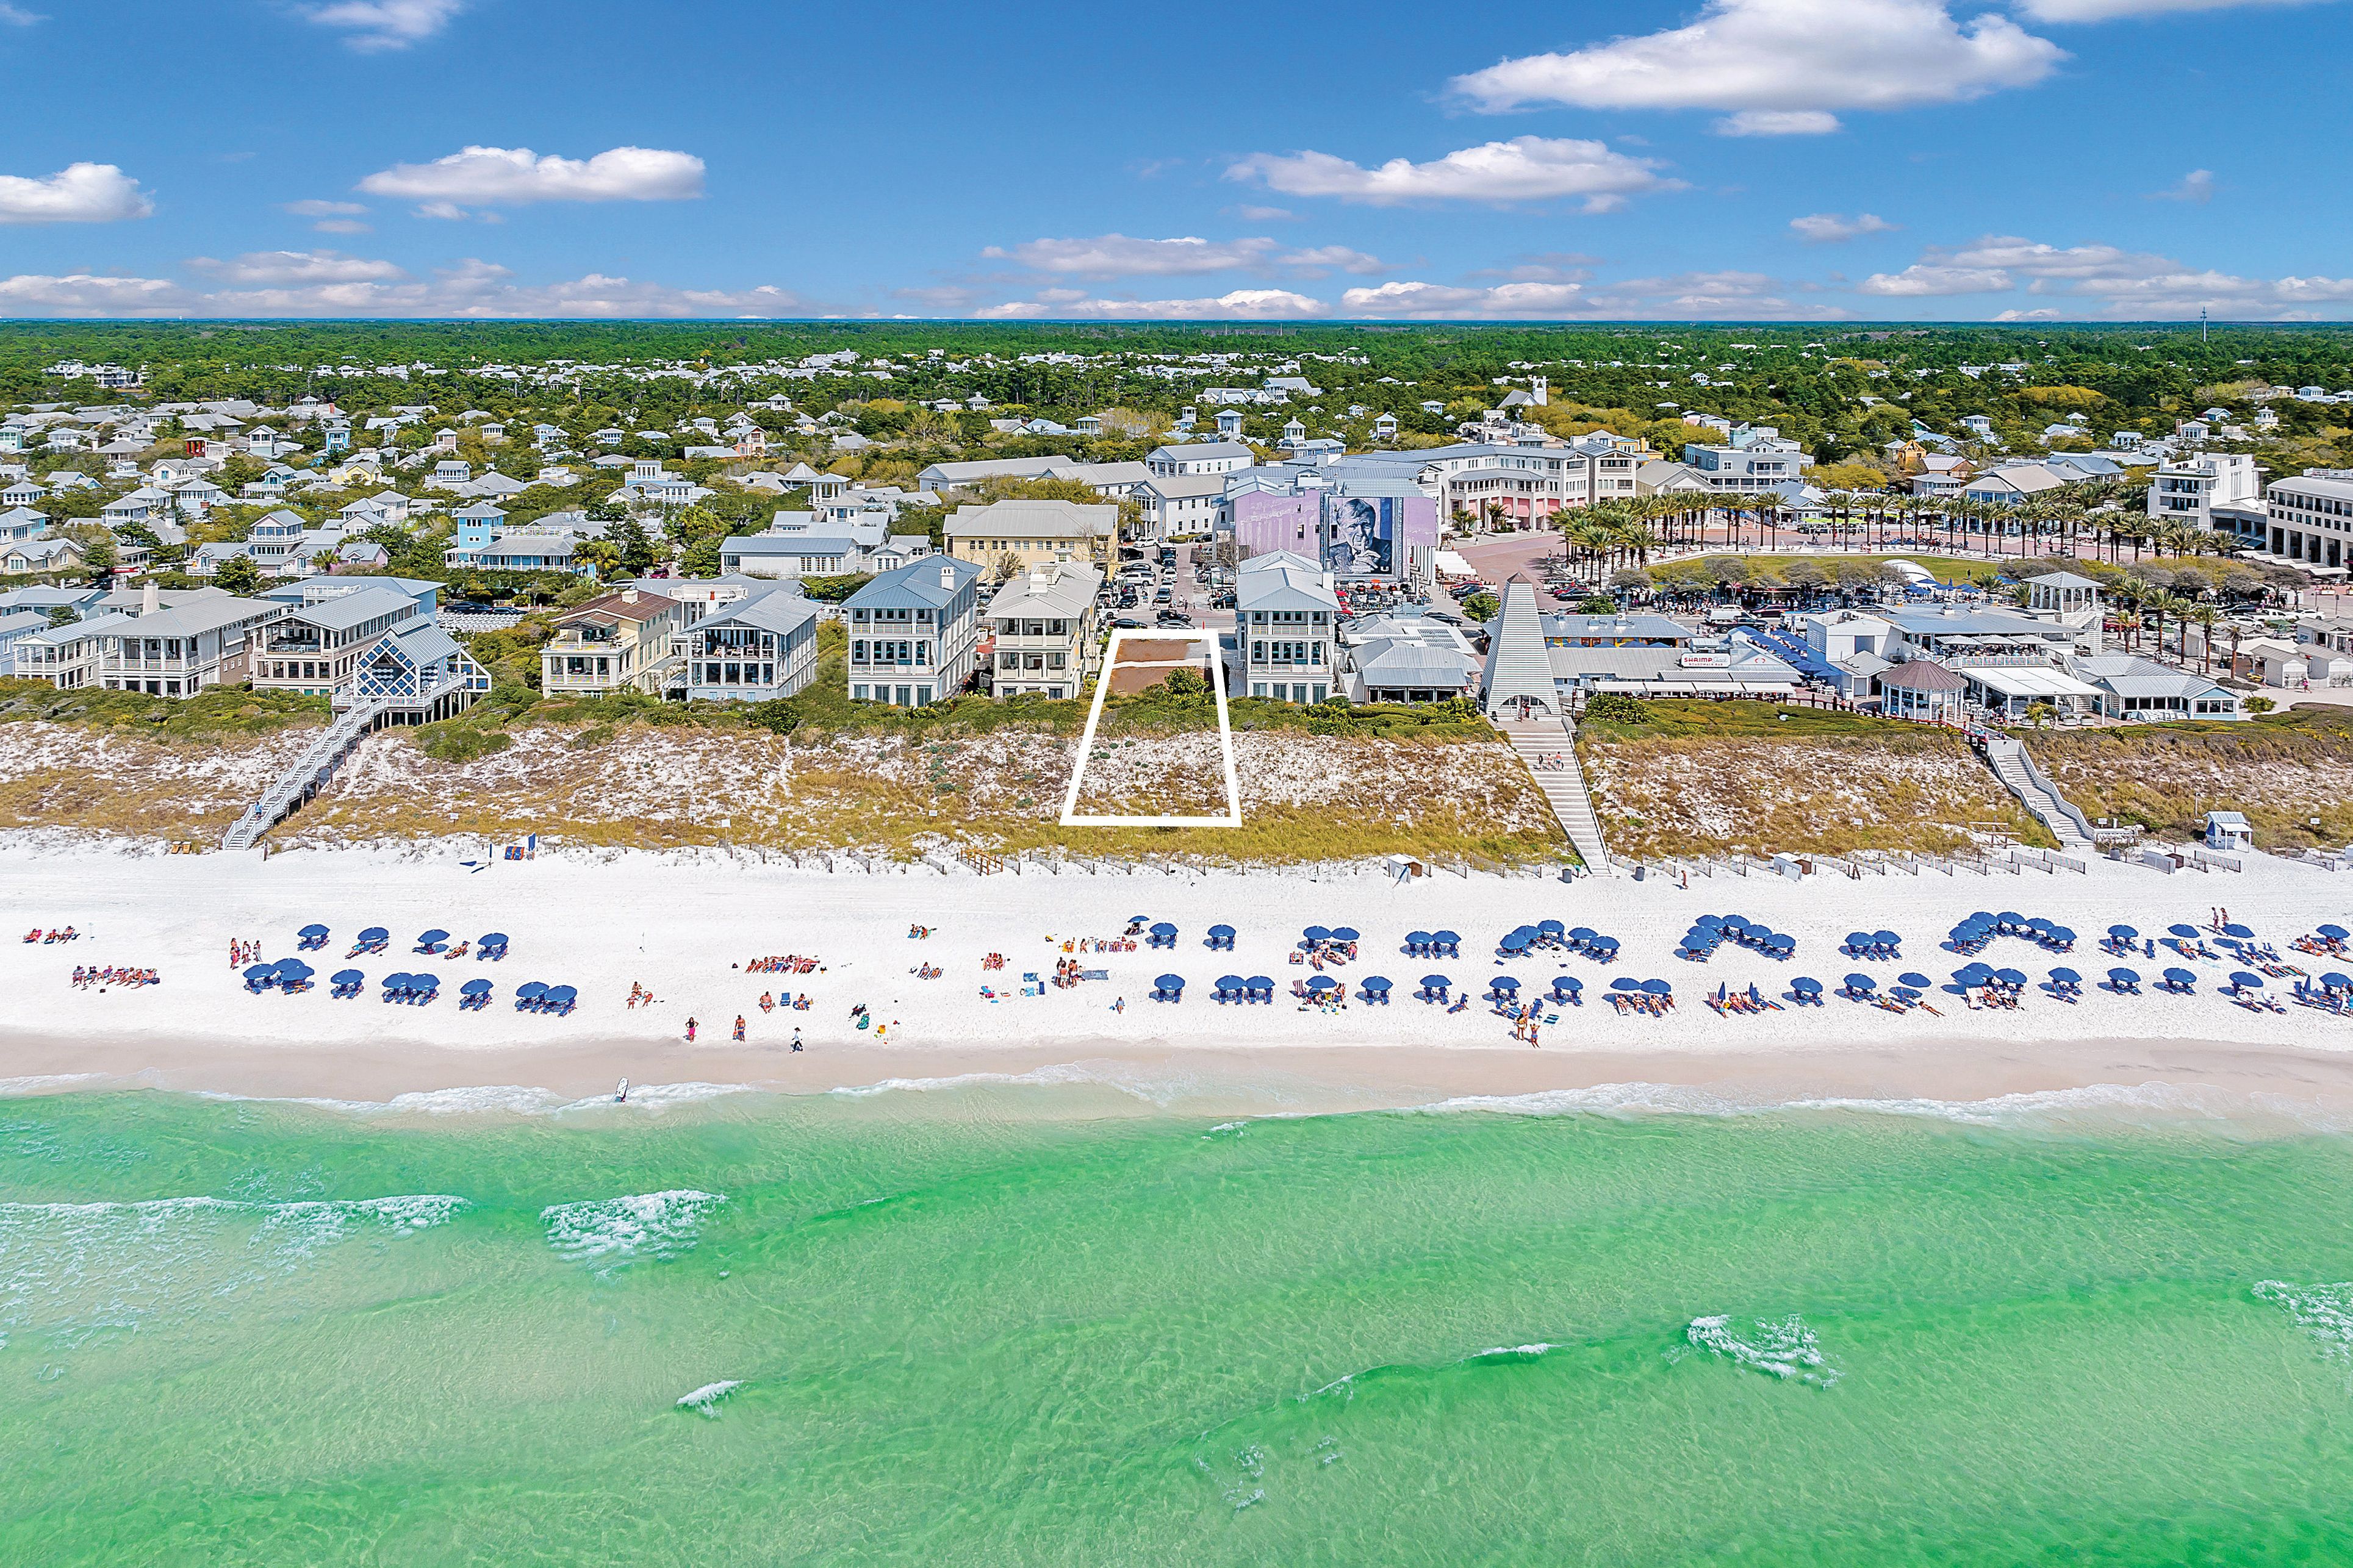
[{"x": 1695, "y": 778}]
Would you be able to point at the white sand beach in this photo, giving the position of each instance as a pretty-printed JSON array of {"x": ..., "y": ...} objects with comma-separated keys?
[{"x": 680, "y": 926}]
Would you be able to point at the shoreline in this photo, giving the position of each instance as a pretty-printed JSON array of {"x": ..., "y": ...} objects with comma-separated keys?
[
  {"x": 684, "y": 926},
  {"x": 2260, "y": 1085}
]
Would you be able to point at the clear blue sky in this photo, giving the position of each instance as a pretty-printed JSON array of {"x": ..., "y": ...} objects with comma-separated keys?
[{"x": 1741, "y": 159}]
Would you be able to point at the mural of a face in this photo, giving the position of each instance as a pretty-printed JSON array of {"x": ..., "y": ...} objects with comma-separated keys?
[{"x": 1358, "y": 544}]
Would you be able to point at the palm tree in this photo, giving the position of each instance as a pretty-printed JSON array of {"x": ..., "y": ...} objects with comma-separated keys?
[{"x": 2206, "y": 614}]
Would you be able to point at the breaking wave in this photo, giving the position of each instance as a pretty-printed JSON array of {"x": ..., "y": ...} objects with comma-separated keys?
[
  {"x": 1787, "y": 1349},
  {"x": 705, "y": 1400},
  {"x": 2324, "y": 1312},
  {"x": 611, "y": 1231}
]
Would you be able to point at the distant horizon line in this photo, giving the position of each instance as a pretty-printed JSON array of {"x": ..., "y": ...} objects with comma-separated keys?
[{"x": 1660, "y": 322}]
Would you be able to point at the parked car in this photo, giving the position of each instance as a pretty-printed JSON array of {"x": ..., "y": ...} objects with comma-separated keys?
[{"x": 1172, "y": 618}]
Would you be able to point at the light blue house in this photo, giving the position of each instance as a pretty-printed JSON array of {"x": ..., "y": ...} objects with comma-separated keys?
[
  {"x": 914, "y": 634},
  {"x": 756, "y": 649}
]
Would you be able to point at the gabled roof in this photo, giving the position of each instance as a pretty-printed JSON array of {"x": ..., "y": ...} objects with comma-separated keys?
[
  {"x": 627, "y": 605},
  {"x": 778, "y": 613},
  {"x": 917, "y": 584}
]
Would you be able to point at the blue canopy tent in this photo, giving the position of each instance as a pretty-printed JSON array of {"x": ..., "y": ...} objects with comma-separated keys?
[
  {"x": 528, "y": 994},
  {"x": 1229, "y": 988},
  {"x": 1502, "y": 988},
  {"x": 293, "y": 975},
  {"x": 1445, "y": 944},
  {"x": 311, "y": 936},
  {"x": 1220, "y": 936},
  {"x": 1375, "y": 988},
  {"x": 1564, "y": 988},
  {"x": 476, "y": 995},
  {"x": 1434, "y": 987},
  {"x": 1417, "y": 943},
  {"x": 260, "y": 977},
  {"x": 347, "y": 983},
  {"x": 559, "y": 999},
  {"x": 1163, "y": 934},
  {"x": 493, "y": 945},
  {"x": 1168, "y": 988},
  {"x": 371, "y": 940},
  {"x": 1551, "y": 928},
  {"x": 1259, "y": 987},
  {"x": 395, "y": 986},
  {"x": 1806, "y": 989}
]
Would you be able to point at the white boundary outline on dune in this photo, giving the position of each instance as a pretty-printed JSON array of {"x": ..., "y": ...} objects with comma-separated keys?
[{"x": 1233, "y": 817}]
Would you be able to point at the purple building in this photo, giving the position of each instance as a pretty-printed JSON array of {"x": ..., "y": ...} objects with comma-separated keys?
[{"x": 1356, "y": 538}]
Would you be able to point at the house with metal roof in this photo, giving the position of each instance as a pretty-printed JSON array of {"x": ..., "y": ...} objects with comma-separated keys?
[
  {"x": 163, "y": 649},
  {"x": 914, "y": 634},
  {"x": 753, "y": 649},
  {"x": 1287, "y": 628},
  {"x": 790, "y": 555},
  {"x": 1037, "y": 532},
  {"x": 316, "y": 647},
  {"x": 1041, "y": 624},
  {"x": 959, "y": 476},
  {"x": 1199, "y": 457},
  {"x": 1414, "y": 659},
  {"x": 2132, "y": 687}
]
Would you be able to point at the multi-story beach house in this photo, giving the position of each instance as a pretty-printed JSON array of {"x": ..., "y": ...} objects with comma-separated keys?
[
  {"x": 1286, "y": 629},
  {"x": 620, "y": 642},
  {"x": 914, "y": 634},
  {"x": 1043, "y": 622},
  {"x": 1038, "y": 532},
  {"x": 752, "y": 650},
  {"x": 203, "y": 638}
]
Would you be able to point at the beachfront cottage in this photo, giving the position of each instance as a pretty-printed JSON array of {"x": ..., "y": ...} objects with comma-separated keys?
[
  {"x": 753, "y": 649},
  {"x": 1287, "y": 628},
  {"x": 1043, "y": 622},
  {"x": 316, "y": 648},
  {"x": 620, "y": 642},
  {"x": 1407, "y": 659},
  {"x": 1036, "y": 533},
  {"x": 165, "y": 645},
  {"x": 914, "y": 634}
]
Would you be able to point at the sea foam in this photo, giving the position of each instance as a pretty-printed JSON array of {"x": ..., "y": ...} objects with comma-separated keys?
[
  {"x": 615, "y": 1231},
  {"x": 2324, "y": 1312},
  {"x": 1787, "y": 1349},
  {"x": 705, "y": 1400}
]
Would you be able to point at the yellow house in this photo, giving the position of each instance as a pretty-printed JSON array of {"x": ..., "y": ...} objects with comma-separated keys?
[
  {"x": 618, "y": 643},
  {"x": 1041, "y": 532}
]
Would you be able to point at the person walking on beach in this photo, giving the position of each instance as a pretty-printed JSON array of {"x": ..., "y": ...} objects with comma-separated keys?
[
  {"x": 690, "y": 1031},
  {"x": 739, "y": 1028},
  {"x": 796, "y": 1040}
]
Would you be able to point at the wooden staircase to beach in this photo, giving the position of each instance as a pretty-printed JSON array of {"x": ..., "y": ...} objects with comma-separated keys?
[
  {"x": 1541, "y": 744},
  {"x": 2035, "y": 792}
]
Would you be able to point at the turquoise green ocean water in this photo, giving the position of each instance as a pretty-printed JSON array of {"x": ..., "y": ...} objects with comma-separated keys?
[{"x": 985, "y": 1327}]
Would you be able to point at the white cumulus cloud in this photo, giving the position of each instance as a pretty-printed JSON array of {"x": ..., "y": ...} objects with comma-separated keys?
[
  {"x": 275, "y": 267},
  {"x": 1444, "y": 301},
  {"x": 1831, "y": 228},
  {"x": 2111, "y": 10},
  {"x": 1782, "y": 65},
  {"x": 377, "y": 24},
  {"x": 78, "y": 193},
  {"x": 1921, "y": 280},
  {"x": 1777, "y": 122},
  {"x": 1241, "y": 305},
  {"x": 1118, "y": 256},
  {"x": 515, "y": 177},
  {"x": 1524, "y": 169},
  {"x": 88, "y": 294}
]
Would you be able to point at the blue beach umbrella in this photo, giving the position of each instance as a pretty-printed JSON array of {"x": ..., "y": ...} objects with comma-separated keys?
[
  {"x": 2334, "y": 933},
  {"x": 1318, "y": 984},
  {"x": 2242, "y": 932},
  {"x": 1501, "y": 982},
  {"x": 1316, "y": 933},
  {"x": 475, "y": 987},
  {"x": 1344, "y": 933},
  {"x": 1908, "y": 978},
  {"x": 2013, "y": 977},
  {"x": 1861, "y": 983},
  {"x": 2187, "y": 932},
  {"x": 349, "y": 977},
  {"x": 1435, "y": 982},
  {"x": 2242, "y": 981},
  {"x": 261, "y": 974},
  {"x": 2181, "y": 977},
  {"x": 2335, "y": 981},
  {"x": 1177, "y": 982},
  {"x": 2125, "y": 976},
  {"x": 1657, "y": 987},
  {"x": 1806, "y": 985},
  {"x": 2123, "y": 933},
  {"x": 2067, "y": 978},
  {"x": 1625, "y": 983}
]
